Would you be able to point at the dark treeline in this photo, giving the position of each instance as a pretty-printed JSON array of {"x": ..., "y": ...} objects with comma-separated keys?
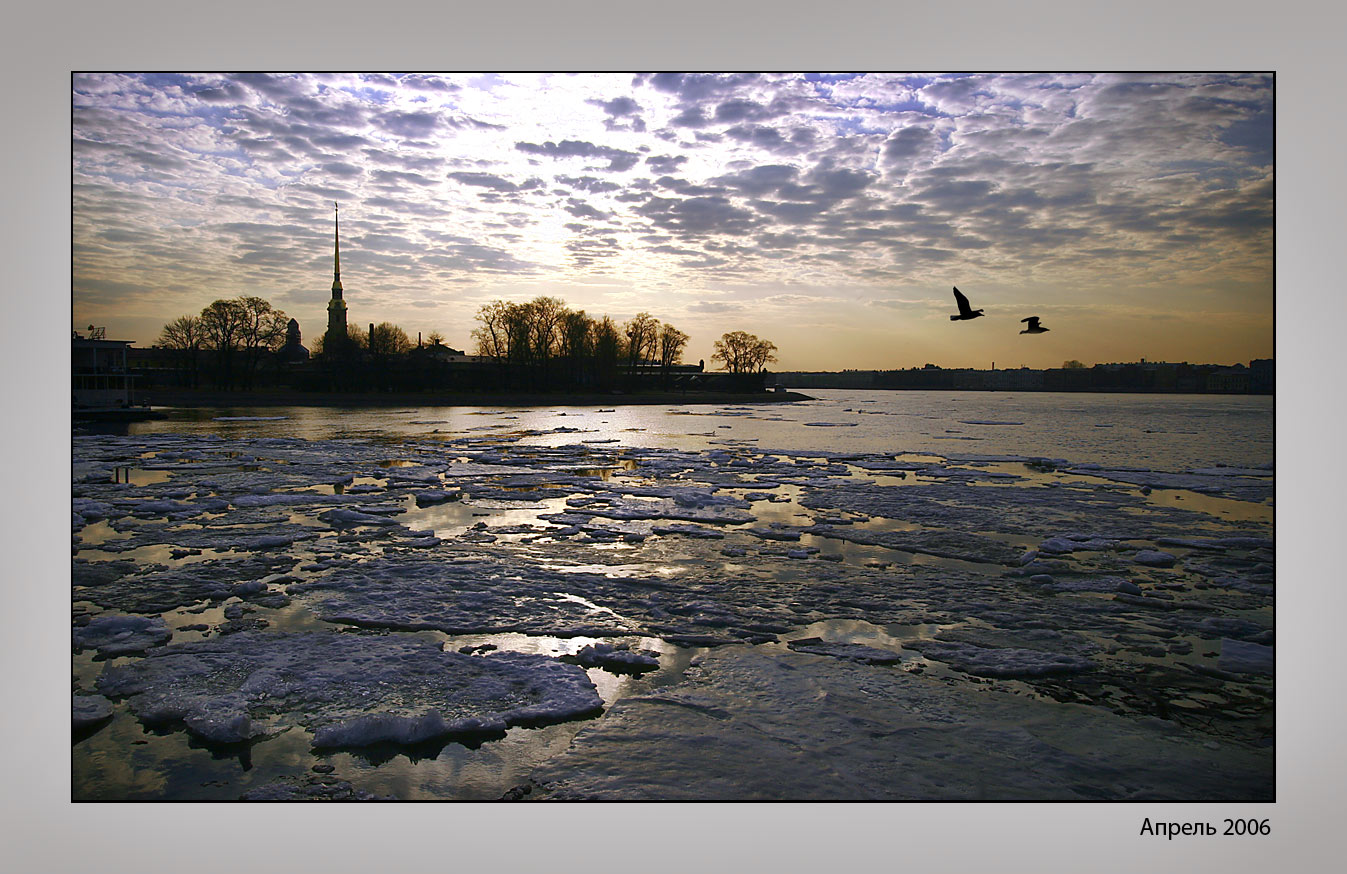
[
  {"x": 544, "y": 345},
  {"x": 537, "y": 346},
  {"x": 228, "y": 345}
]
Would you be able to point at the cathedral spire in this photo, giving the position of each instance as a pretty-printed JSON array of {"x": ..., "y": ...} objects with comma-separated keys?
[
  {"x": 336, "y": 307},
  {"x": 336, "y": 253}
]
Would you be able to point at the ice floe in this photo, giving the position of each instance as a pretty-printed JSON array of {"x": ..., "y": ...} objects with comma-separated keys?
[
  {"x": 349, "y": 690},
  {"x": 1245, "y": 657},
  {"x": 615, "y": 658},
  {"x": 121, "y": 635},
  {"x": 161, "y": 589},
  {"x": 478, "y": 595},
  {"x": 87, "y": 711}
]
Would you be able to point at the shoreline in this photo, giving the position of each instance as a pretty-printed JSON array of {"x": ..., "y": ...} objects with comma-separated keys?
[{"x": 222, "y": 400}]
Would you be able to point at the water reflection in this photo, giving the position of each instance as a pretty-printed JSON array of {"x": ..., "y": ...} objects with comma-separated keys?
[{"x": 1055, "y": 425}]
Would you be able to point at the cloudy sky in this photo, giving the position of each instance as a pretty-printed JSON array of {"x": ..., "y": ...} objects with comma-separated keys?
[{"x": 828, "y": 213}]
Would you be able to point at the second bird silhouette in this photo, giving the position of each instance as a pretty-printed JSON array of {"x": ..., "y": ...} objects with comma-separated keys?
[
  {"x": 1034, "y": 326},
  {"x": 965, "y": 311}
]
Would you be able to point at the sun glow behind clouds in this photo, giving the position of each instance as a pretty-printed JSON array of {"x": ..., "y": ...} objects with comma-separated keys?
[{"x": 830, "y": 214}]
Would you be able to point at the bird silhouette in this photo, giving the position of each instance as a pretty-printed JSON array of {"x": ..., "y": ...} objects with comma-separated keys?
[
  {"x": 965, "y": 311},
  {"x": 1034, "y": 326}
]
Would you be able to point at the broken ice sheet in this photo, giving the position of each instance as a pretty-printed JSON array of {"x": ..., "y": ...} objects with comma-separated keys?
[
  {"x": 350, "y": 690},
  {"x": 472, "y": 595},
  {"x": 161, "y": 589}
]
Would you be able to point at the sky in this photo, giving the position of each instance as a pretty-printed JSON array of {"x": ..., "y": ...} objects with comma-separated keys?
[{"x": 828, "y": 213}]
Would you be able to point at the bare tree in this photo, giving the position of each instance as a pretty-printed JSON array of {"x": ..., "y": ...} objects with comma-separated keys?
[
  {"x": 543, "y": 316},
  {"x": 263, "y": 330},
  {"x": 184, "y": 336},
  {"x": 607, "y": 342},
  {"x": 740, "y": 352},
  {"x": 493, "y": 336},
  {"x": 222, "y": 328},
  {"x": 387, "y": 340},
  {"x": 642, "y": 332},
  {"x": 577, "y": 342},
  {"x": 671, "y": 343}
]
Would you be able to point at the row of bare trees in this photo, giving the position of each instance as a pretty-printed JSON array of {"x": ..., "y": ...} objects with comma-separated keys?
[
  {"x": 551, "y": 344},
  {"x": 236, "y": 334}
]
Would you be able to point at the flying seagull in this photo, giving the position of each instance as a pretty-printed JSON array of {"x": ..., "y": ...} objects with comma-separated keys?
[
  {"x": 965, "y": 312},
  {"x": 1034, "y": 326}
]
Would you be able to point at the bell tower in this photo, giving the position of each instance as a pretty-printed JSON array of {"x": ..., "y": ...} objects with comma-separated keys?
[{"x": 336, "y": 307}]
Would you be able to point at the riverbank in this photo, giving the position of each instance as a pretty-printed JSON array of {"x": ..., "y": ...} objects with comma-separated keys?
[{"x": 223, "y": 399}]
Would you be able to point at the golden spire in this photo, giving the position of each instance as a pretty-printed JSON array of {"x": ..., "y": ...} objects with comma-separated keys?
[{"x": 336, "y": 252}]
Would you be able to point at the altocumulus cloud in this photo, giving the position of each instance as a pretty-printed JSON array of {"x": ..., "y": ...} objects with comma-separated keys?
[{"x": 864, "y": 182}]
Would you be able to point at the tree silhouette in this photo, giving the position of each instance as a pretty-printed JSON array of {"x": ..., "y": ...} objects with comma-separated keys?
[
  {"x": 222, "y": 326},
  {"x": 642, "y": 332},
  {"x": 671, "y": 343},
  {"x": 740, "y": 352},
  {"x": 384, "y": 343},
  {"x": 184, "y": 335},
  {"x": 263, "y": 330},
  {"x": 607, "y": 350},
  {"x": 577, "y": 343}
]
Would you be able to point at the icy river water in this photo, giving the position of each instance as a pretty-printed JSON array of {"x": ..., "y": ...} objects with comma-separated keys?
[{"x": 869, "y": 595}]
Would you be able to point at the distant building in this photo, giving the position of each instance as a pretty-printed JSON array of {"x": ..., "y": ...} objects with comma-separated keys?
[
  {"x": 1262, "y": 376},
  {"x": 293, "y": 350},
  {"x": 437, "y": 351},
  {"x": 1229, "y": 380},
  {"x": 100, "y": 378},
  {"x": 1021, "y": 379}
]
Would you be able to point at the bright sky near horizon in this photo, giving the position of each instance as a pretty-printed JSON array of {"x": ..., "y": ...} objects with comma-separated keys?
[{"x": 828, "y": 213}]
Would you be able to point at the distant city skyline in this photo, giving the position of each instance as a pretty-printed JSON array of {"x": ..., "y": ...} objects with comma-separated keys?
[{"x": 830, "y": 214}]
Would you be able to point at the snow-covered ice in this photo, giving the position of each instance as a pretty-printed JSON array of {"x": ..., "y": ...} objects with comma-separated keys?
[
  {"x": 349, "y": 690},
  {"x": 87, "y": 711},
  {"x": 1244, "y": 657},
  {"x": 121, "y": 635}
]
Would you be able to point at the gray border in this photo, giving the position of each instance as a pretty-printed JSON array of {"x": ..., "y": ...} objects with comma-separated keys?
[{"x": 44, "y": 833}]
